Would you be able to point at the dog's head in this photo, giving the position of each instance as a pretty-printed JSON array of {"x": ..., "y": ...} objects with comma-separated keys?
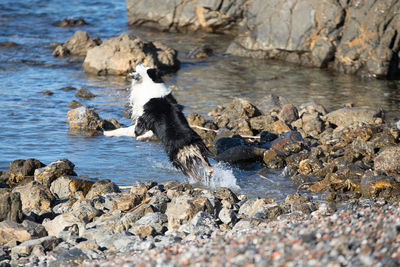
[{"x": 144, "y": 73}]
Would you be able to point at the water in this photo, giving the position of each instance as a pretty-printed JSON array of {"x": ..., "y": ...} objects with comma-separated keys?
[{"x": 33, "y": 125}]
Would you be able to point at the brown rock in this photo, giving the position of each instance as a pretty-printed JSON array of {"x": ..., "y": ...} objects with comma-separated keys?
[
  {"x": 101, "y": 187},
  {"x": 288, "y": 113},
  {"x": 10, "y": 205},
  {"x": 34, "y": 195},
  {"x": 48, "y": 174},
  {"x": 20, "y": 169},
  {"x": 77, "y": 45},
  {"x": 143, "y": 231},
  {"x": 124, "y": 202},
  {"x": 388, "y": 160},
  {"x": 348, "y": 116}
]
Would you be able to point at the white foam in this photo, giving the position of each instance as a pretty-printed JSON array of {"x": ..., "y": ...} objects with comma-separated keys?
[{"x": 223, "y": 177}]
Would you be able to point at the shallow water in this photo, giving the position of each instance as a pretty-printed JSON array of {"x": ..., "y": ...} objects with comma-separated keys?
[{"x": 33, "y": 125}]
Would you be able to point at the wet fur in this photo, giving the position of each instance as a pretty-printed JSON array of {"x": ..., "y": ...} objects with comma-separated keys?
[{"x": 157, "y": 111}]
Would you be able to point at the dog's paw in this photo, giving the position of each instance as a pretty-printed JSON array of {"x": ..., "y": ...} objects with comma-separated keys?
[{"x": 108, "y": 133}]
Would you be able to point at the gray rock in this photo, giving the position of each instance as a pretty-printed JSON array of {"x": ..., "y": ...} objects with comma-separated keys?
[
  {"x": 227, "y": 216},
  {"x": 48, "y": 174},
  {"x": 157, "y": 220},
  {"x": 77, "y": 45},
  {"x": 102, "y": 187},
  {"x": 14, "y": 232},
  {"x": 25, "y": 248},
  {"x": 62, "y": 223},
  {"x": 120, "y": 55},
  {"x": 10, "y": 205},
  {"x": 288, "y": 113},
  {"x": 202, "y": 223},
  {"x": 388, "y": 160},
  {"x": 84, "y": 93},
  {"x": 72, "y": 257},
  {"x": 84, "y": 119},
  {"x": 214, "y": 16},
  {"x": 347, "y": 116},
  {"x": 84, "y": 211},
  {"x": 34, "y": 195}
]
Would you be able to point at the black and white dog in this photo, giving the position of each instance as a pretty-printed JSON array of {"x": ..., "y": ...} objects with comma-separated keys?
[{"x": 157, "y": 112}]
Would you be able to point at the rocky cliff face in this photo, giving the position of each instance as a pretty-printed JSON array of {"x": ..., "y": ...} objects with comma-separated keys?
[{"x": 353, "y": 37}]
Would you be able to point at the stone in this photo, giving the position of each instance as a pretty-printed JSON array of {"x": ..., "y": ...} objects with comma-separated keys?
[
  {"x": 347, "y": 116},
  {"x": 66, "y": 186},
  {"x": 10, "y": 205},
  {"x": 212, "y": 16},
  {"x": 74, "y": 104},
  {"x": 84, "y": 211},
  {"x": 48, "y": 174},
  {"x": 84, "y": 93},
  {"x": 102, "y": 187},
  {"x": 34, "y": 195},
  {"x": 77, "y": 45},
  {"x": 25, "y": 248},
  {"x": 227, "y": 216},
  {"x": 72, "y": 257},
  {"x": 388, "y": 160},
  {"x": 288, "y": 113},
  {"x": 288, "y": 143},
  {"x": 202, "y": 223},
  {"x": 124, "y": 202},
  {"x": 11, "y": 231},
  {"x": 224, "y": 193},
  {"x": 20, "y": 169},
  {"x": 273, "y": 160},
  {"x": 156, "y": 220},
  {"x": 71, "y": 22},
  {"x": 120, "y": 55},
  {"x": 252, "y": 206},
  {"x": 238, "y": 109},
  {"x": 376, "y": 185},
  {"x": 143, "y": 231},
  {"x": 63, "y": 222},
  {"x": 271, "y": 103},
  {"x": 240, "y": 154},
  {"x": 183, "y": 208},
  {"x": 84, "y": 119},
  {"x": 202, "y": 51},
  {"x": 262, "y": 123}
]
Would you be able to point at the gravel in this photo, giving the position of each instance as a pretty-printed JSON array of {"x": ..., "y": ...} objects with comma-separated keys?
[{"x": 362, "y": 233}]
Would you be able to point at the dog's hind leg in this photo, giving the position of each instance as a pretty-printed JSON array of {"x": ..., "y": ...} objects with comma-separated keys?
[
  {"x": 146, "y": 136},
  {"x": 128, "y": 131}
]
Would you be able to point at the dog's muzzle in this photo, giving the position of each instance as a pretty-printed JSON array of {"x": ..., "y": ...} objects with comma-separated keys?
[{"x": 135, "y": 76}]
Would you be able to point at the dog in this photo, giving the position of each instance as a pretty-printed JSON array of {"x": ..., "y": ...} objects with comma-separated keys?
[{"x": 157, "y": 112}]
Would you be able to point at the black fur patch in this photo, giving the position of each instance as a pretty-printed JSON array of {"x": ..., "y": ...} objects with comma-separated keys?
[
  {"x": 164, "y": 117},
  {"x": 155, "y": 75}
]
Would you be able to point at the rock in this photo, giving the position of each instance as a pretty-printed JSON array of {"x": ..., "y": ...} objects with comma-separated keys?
[
  {"x": 202, "y": 223},
  {"x": 62, "y": 223},
  {"x": 347, "y": 116},
  {"x": 74, "y": 104},
  {"x": 124, "y": 202},
  {"x": 143, "y": 231},
  {"x": 196, "y": 120},
  {"x": 20, "y": 169},
  {"x": 252, "y": 206},
  {"x": 84, "y": 93},
  {"x": 262, "y": 123},
  {"x": 102, "y": 187},
  {"x": 388, "y": 160},
  {"x": 183, "y": 208},
  {"x": 224, "y": 193},
  {"x": 25, "y": 248},
  {"x": 10, "y": 205},
  {"x": 227, "y": 216},
  {"x": 67, "y": 186},
  {"x": 271, "y": 103},
  {"x": 84, "y": 119},
  {"x": 120, "y": 55},
  {"x": 273, "y": 159},
  {"x": 34, "y": 195},
  {"x": 77, "y": 45},
  {"x": 48, "y": 174},
  {"x": 288, "y": 143},
  {"x": 11, "y": 231},
  {"x": 288, "y": 113},
  {"x": 374, "y": 185},
  {"x": 312, "y": 124},
  {"x": 8, "y": 44},
  {"x": 72, "y": 257},
  {"x": 202, "y": 51},
  {"x": 239, "y": 154},
  {"x": 237, "y": 111},
  {"x": 157, "y": 220},
  {"x": 70, "y": 22},
  {"x": 212, "y": 16},
  {"x": 84, "y": 211},
  {"x": 225, "y": 143}
]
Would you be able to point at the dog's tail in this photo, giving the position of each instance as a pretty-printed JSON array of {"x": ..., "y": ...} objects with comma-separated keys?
[{"x": 192, "y": 161}]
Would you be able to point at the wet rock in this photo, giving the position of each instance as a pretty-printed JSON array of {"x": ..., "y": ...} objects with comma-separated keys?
[
  {"x": 388, "y": 160},
  {"x": 196, "y": 119},
  {"x": 8, "y": 44},
  {"x": 70, "y": 22},
  {"x": 10, "y": 205},
  {"x": 120, "y": 55},
  {"x": 214, "y": 16},
  {"x": 48, "y": 174},
  {"x": 84, "y": 93},
  {"x": 224, "y": 193},
  {"x": 262, "y": 123},
  {"x": 25, "y": 248},
  {"x": 312, "y": 124},
  {"x": 84, "y": 119},
  {"x": 111, "y": 124},
  {"x": 273, "y": 159},
  {"x": 240, "y": 154},
  {"x": 288, "y": 143},
  {"x": 67, "y": 186},
  {"x": 266, "y": 137},
  {"x": 347, "y": 116},
  {"x": 74, "y": 104},
  {"x": 20, "y": 169},
  {"x": 77, "y": 45},
  {"x": 224, "y": 143},
  {"x": 183, "y": 208},
  {"x": 288, "y": 113},
  {"x": 202, "y": 223},
  {"x": 47, "y": 92},
  {"x": 202, "y": 51},
  {"x": 102, "y": 187},
  {"x": 34, "y": 195}
]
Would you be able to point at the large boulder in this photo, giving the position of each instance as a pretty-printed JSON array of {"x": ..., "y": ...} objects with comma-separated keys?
[
  {"x": 48, "y": 174},
  {"x": 347, "y": 116},
  {"x": 20, "y": 169},
  {"x": 120, "y": 55},
  {"x": 86, "y": 120},
  {"x": 388, "y": 160},
  {"x": 10, "y": 205},
  {"x": 77, "y": 45},
  {"x": 183, "y": 16},
  {"x": 34, "y": 195}
]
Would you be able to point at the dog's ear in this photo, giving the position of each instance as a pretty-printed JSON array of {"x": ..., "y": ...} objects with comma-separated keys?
[{"x": 155, "y": 75}]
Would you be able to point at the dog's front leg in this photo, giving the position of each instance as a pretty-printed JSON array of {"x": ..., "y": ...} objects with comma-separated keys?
[{"x": 128, "y": 131}]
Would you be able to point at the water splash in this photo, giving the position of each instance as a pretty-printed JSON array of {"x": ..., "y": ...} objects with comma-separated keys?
[{"x": 223, "y": 177}]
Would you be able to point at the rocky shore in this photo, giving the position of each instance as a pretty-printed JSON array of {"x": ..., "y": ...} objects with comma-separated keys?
[
  {"x": 345, "y": 165},
  {"x": 354, "y": 37}
]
